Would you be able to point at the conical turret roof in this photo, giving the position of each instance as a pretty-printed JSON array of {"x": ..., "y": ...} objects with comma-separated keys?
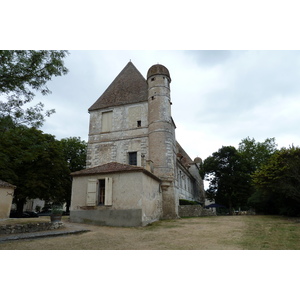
[
  {"x": 128, "y": 87},
  {"x": 158, "y": 70}
]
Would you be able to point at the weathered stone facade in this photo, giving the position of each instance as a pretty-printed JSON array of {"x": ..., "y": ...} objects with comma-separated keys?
[{"x": 131, "y": 124}]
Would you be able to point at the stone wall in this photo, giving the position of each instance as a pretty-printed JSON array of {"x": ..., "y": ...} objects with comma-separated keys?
[
  {"x": 118, "y": 217},
  {"x": 30, "y": 227},
  {"x": 194, "y": 211}
]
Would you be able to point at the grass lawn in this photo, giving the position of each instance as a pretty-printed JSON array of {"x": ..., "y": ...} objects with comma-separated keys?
[
  {"x": 209, "y": 233},
  {"x": 271, "y": 233}
]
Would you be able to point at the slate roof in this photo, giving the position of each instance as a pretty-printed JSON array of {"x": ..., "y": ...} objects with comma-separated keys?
[
  {"x": 113, "y": 167},
  {"x": 128, "y": 87},
  {"x": 5, "y": 184},
  {"x": 184, "y": 158}
]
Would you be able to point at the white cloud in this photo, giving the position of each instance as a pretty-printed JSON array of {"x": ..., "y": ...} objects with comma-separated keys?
[{"x": 218, "y": 98}]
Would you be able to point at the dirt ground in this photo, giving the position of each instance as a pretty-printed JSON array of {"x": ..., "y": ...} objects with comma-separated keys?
[
  {"x": 204, "y": 233},
  {"x": 188, "y": 233}
]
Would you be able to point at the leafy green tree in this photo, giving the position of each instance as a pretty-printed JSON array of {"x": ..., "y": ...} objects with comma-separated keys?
[
  {"x": 34, "y": 162},
  {"x": 278, "y": 182},
  {"x": 22, "y": 73},
  {"x": 74, "y": 153},
  {"x": 255, "y": 153},
  {"x": 228, "y": 181}
]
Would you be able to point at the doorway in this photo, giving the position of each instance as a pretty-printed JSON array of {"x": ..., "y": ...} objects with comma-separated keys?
[{"x": 101, "y": 191}]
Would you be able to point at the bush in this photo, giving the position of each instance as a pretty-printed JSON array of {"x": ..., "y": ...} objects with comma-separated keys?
[{"x": 187, "y": 202}]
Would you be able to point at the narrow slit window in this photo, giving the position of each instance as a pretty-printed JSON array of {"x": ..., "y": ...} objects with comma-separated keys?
[{"x": 139, "y": 123}]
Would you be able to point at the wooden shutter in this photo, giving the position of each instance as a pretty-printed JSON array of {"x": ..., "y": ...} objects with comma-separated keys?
[
  {"x": 107, "y": 121},
  {"x": 108, "y": 191},
  {"x": 91, "y": 198}
]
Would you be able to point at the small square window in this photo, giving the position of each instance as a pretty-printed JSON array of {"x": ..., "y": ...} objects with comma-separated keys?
[
  {"x": 132, "y": 158},
  {"x": 139, "y": 123}
]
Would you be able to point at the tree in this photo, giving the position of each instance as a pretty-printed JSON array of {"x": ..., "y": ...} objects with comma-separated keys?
[
  {"x": 34, "y": 162},
  {"x": 74, "y": 153},
  {"x": 255, "y": 153},
  {"x": 228, "y": 181},
  {"x": 278, "y": 181},
  {"x": 21, "y": 74}
]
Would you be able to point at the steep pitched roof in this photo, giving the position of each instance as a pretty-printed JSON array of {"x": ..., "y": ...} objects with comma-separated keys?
[
  {"x": 113, "y": 167},
  {"x": 128, "y": 87}
]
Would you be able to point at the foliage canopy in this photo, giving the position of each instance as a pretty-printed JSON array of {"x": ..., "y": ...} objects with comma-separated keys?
[
  {"x": 278, "y": 182},
  {"x": 22, "y": 73},
  {"x": 38, "y": 164},
  {"x": 229, "y": 171}
]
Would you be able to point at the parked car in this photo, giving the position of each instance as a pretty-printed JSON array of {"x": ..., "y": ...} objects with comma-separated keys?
[
  {"x": 25, "y": 214},
  {"x": 45, "y": 212},
  {"x": 31, "y": 214}
]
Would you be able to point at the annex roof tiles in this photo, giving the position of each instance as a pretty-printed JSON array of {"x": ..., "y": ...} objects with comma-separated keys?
[{"x": 112, "y": 167}]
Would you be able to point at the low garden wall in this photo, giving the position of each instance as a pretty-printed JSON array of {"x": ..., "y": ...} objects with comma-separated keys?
[
  {"x": 30, "y": 227},
  {"x": 194, "y": 211}
]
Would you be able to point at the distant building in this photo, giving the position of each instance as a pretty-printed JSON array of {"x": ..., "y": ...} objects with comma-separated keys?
[
  {"x": 136, "y": 170},
  {"x": 6, "y": 197}
]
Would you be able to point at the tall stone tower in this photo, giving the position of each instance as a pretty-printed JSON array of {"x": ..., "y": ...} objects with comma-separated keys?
[{"x": 162, "y": 142}]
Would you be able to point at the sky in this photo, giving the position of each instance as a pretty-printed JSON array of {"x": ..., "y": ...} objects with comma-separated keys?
[{"x": 219, "y": 96}]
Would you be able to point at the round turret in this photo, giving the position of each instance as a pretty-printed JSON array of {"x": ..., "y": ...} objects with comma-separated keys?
[
  {"x": 158, "y": 70},
  {"x": 198, "y": 160}
]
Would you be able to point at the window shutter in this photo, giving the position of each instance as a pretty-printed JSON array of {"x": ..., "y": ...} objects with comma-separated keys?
[
  {"x": 108, "y": 191},
  {"x": 107, "y": 121},
  {"x": 91, "y": 192}
]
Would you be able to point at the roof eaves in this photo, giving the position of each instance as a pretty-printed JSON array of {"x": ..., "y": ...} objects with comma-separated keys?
[{"x": 125, "y": 169}]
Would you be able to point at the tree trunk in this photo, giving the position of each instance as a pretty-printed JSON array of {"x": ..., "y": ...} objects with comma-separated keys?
[
  {"x": 20, "y": 206},
  {"x": 230, "y": 208}
]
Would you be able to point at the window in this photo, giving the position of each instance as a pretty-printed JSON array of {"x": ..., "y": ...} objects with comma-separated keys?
[
  {"x": 180, "y": 179},
  {"x": 139, "y": 123},
  {"x": 106, "y": 121},
  {"x": 99, "y": 192},
  {"x": 132, "y": 158}
]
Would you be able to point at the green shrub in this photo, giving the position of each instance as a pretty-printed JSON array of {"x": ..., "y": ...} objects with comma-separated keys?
[{"x": 187, "y": 202}]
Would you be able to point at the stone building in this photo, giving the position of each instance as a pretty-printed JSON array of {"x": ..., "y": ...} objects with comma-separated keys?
[
  {"x": 136, "y": 170},
  {"x": 6, "y": 198}
]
